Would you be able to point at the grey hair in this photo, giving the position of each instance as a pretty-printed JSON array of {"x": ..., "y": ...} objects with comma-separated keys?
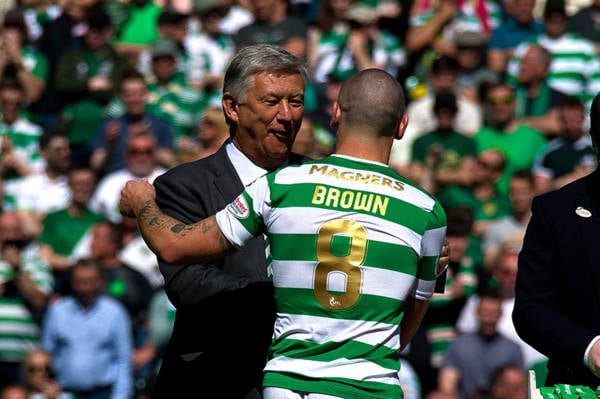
[{"x": 253, "y": 59}]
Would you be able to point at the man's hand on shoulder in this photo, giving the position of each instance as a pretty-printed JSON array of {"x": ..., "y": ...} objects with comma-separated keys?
[
  {"x": 594, "y": 358},
  {"x": 134, "y": 196}
]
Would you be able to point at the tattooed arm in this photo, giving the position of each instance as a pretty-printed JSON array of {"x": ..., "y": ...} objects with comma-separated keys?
[{"x": 171, "y": 240}]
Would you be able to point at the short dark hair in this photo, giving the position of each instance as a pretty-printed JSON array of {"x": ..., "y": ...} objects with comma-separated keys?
[
  {"x": 445, "y": 101},
  {"x": 48, "y": 136},
  {"x": 572, "y": 103},
  {"x": 523, "y": 174},
  {"x": 130, "y": 74},
  {"x": 444, "y": 64},
  {"x": 460, "y": 221}
]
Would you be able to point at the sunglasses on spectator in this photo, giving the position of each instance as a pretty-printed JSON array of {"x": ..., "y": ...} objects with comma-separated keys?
[
  {"x": 140, "y": 151},
  {"x": 500, "y": 100},
  {"x": 39, "y": 368}
]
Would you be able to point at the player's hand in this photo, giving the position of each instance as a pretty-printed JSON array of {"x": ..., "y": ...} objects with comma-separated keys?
[
  {"x": 594, "y": 358},
  {"x": 134, "y": 196},
  {"x": 444, "y": 259}
]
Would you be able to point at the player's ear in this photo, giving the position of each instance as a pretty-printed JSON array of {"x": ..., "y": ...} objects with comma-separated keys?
[
  {"x": 335, "y": 115},
  {"x": 230, "y": 107},
  {"x": 401, "y": 127}
]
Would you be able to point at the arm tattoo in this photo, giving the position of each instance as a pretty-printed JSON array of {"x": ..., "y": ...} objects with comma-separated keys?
[
  {"x": 150, "y": 216},
  {"x": 156, "y": 227}
]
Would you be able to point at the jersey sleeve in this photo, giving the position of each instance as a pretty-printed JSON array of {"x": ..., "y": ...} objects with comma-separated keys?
[
  {"x": 431, "y": 246},
  {"x": 242, "y": 219}
]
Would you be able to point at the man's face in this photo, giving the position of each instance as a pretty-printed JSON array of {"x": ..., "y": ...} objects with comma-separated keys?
[
  {"x": 556, "y": 24},
  {"x": 530, "y": 67},
  {"x": 524, "y": 10},
  {"x": 86, "y": 283},
  {"x": 58, "y": 154},
  {"x": 270, "y": 118},
  {"x": 572, "y": 122},
  {"x": 141, "y": 156},
  {"x": 164, "y": 68},
  {"x": 521, "y": 194},
  {"x": 81, "y": 183},
  {"x": 10, "y": 227},
  {"x": 96, "y": 38},
  {"x": 489, "y": 312},
  {"x": 500, "y": 105},
  {"x": 101, "y": 246},
  {"x": 443, "y": 82},
  {"x": 487, "y": 167},
  {"x": 263, "y": 9},
  {"x": 10, "y": 100},
  {"x": 134, "y": 94}
]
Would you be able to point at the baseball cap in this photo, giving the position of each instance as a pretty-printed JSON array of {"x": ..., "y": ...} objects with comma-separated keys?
[
  {"x": 469, "y": 38},
  {"x": 164, "y": 47},
  {"x": 204, "y": 6},
  {"x": 362, "y": 14}
]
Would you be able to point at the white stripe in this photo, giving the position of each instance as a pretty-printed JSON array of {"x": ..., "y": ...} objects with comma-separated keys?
[
  {"x": 320, "y": 330},
  {"x": 424, "y": 289},
  {"x": 232, "y": 229},
  {"x": 375, "y": 281},
  {"x": 301, "y": 174},
  {"x": 18, "y": 328},
  {"x": 14, "y": 344},
  {"x": 378, "y": 229},
  {"x": 360, "y": 370},
  {"x": 14, "y": 311},
  {"x": 432, "y": 241}
]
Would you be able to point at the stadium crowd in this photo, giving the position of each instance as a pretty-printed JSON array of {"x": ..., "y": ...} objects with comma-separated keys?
[{"x": 94, "y": 93}]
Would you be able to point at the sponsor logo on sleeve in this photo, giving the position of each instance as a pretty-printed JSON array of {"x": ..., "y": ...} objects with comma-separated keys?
[{"x": 239, "y": 208}]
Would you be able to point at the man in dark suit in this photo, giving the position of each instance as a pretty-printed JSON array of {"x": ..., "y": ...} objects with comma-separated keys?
[
  {"x": 225, "y": 311},
  {"x": 557, "y": 304}
]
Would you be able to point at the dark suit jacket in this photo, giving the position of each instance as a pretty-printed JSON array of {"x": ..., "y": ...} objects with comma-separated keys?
[
  {"x": 226, "y": 310},
  {"x": 557, "y": 306}
]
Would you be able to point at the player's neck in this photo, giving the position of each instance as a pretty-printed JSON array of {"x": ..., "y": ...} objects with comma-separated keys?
[{"x": 363, "y": 149}]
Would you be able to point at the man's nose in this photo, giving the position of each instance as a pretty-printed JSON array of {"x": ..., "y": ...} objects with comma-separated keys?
[{"x": 283, "y": 111}]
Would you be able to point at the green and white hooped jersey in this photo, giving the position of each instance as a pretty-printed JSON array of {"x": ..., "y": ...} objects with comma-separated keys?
[{"x": 350, "y": 241}]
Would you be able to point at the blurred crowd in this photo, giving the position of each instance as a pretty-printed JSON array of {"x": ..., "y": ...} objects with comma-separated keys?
[{"x": 94, "y": 93}]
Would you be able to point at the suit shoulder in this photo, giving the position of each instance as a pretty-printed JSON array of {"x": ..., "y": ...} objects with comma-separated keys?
[
  {"x": 185, "y": 171},
  {"x": 565, "y": 192}
]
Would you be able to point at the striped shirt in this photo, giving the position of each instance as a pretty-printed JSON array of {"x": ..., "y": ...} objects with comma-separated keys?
[
  {"x": 350, "y": 241},
  {"x": 574, "y": 69},
  {"x": 19, "y": 332}
]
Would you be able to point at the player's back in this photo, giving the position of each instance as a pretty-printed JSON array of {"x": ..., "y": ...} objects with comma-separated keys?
[{"x": 350, "y": 240}]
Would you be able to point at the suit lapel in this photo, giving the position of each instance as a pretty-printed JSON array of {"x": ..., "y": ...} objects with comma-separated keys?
[
  {"x": 587, "y": 213},
  {"x": 226, "y": 182}
]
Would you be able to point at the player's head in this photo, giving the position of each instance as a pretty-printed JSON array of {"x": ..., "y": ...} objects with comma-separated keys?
[{"x": 372, "y": 101}]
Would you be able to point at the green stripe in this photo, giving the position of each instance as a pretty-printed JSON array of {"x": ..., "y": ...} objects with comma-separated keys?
[
  {"x": 303, "y": 247},
  {"x": 302, "y": 301},
  {"x": 25, "y": 319},
  {"x": 19, "y": 337},
  {"x": 575, "y": 56},
  {"x": 14, "y": 355},
  {"x": 342, "y": 387},
  {"x": 567, "y": 75},
  {"x": 428, "y": 267},
  {"x": 331, "y": 351},
  {"x": 252, "y": 223}
]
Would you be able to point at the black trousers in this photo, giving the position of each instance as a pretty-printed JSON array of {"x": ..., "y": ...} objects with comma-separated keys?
[{"x": 218, "y": 348}]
